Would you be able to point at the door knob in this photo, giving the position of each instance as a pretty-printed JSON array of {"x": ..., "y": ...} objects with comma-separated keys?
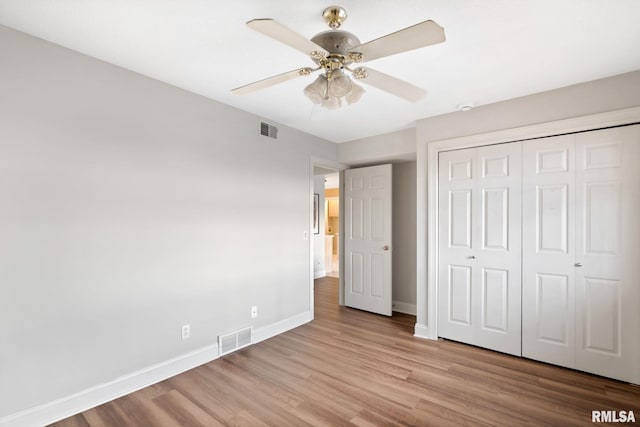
[
  {"x": 577, "y": 264},
  {"x": 385, "y": 248}
]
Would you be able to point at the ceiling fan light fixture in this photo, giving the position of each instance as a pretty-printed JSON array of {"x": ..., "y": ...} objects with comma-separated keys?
[
  {"x": 331, "y": 103},
  {"x": 316, "y": 91},
  {"x": 339, "y": 84},
  {"x": 354, "y": 94},
  {"x": 329, "y": 92}
]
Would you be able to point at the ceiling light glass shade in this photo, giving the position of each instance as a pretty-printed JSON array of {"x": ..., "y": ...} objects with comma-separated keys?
[
  {"x": 330, "y": 93},
  {"x": 354, "y": 94},
  {"x": 340, "y": 84},
  {"x": 331, "y": 102},
  {"x": 316, "y": 91}
]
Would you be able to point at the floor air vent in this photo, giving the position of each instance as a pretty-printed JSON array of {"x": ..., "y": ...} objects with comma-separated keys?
[
  {"x": 268, "y": 130},
  {"x": 234, "y": 340}
]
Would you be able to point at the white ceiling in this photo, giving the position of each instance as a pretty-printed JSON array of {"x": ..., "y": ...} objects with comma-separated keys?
[{"x": 495, "y": 50}]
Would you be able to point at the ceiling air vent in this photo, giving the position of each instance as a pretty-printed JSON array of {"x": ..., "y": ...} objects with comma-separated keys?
[{"x": 268, "y": 130}]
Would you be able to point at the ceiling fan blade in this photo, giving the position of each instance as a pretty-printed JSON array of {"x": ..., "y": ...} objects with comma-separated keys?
[
  {"x": 393, "y": 85},
  {"x": 420, "y": 35},
  {"x": 277, "y": 31},
  {"x": 270, "y": 81}
]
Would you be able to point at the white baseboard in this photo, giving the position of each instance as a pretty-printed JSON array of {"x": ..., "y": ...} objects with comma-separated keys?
[
  {"x": 265, "y": 332},
  {"x": 67, "y": 406},
  {"x": 320, "y": 273},
  {"x": 404, "y": 307},
  {"x": 421, "y": 331}
]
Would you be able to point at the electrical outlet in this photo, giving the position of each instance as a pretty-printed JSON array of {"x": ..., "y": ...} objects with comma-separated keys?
[
  {"x": 254, "y": 311},
  {"x": 186, "y": 331}
]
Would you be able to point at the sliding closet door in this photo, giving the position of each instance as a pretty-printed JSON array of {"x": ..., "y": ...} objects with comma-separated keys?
[
  {"x": 479, "y": 258},
  {"x": 607, "y": 242},
  {"x": 548, "y": 250}
]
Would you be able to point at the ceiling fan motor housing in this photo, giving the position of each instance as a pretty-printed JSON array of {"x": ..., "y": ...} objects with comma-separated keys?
[{"x": 336, "y": 41}]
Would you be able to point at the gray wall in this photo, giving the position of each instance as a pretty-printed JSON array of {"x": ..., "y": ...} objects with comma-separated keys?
[
  {"x": 395, "y": 146},
  {"x": 404, "y": 233},
  {"x": 609, "y": 94},
  {"x": 597, "y": 96},
  {"x": 127, "y": 209}
]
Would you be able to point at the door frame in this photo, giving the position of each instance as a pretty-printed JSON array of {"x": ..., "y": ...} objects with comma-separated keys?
[
  {"x": 340, "y": 168},
  {"x": 427, "y": 196}
]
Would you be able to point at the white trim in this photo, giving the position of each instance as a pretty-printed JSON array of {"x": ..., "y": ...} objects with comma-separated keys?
[
  {"x": 404, "y": 307},
  {"x": 78, "y": 402},
  {"x": 341, "y": 222},
  {"x": 421, "y": 331},
  {"x": 427, "y": 283},
  {"x": 421, "y": 237},
  {"x": 319, "y": 274},
  {"x": 70, "y": 405},
  {"x": 577, "y": 124},
  {"x": 269, "y": 331},
  {"x": 309, "y": 234}
]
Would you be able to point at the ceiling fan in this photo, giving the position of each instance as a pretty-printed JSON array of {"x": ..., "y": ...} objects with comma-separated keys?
[{"x": 336, "y": 51}]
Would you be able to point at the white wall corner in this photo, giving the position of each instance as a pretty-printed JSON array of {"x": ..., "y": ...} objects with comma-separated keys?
[
  {"x": 269, "y": 331},
  {"x": 70, "y": 405},
  {"x": 404, "y": 307}
]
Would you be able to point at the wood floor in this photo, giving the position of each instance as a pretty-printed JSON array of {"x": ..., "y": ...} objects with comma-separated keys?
[{"x": 350, "y": 367}]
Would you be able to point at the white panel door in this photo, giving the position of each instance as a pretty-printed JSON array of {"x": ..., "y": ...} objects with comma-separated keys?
[
  {"x": 548, "y": 251},
  {"x": 607, "y": 242},
  {"x": 456, "y": 192},
  {"x": 479, "y": 257},
  {"x": 498, "y": 274},
  {"x": 581, "y": 251},
  {"x": 368, "y": 198}
]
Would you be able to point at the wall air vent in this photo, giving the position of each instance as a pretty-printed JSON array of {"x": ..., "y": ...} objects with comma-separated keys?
[
  {"x": 268, "y": 130},
  {"x": 236, "y": 340}
]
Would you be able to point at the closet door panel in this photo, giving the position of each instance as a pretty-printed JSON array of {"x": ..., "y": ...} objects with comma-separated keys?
[
  {"x": 607, "y": 208},
  {"x": 479, "y": 254},
  {"x": 548, "y": 251},
  {"x": 497, "y": 273},
  {"x": 456, "y": 288}
]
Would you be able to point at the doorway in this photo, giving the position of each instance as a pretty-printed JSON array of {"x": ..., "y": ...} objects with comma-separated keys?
[
  {"x": 332, "y": 224},
  {"x": 326, "y": 245}
]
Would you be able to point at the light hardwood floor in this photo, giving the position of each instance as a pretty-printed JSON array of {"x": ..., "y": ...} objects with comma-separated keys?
[{"x": 349, "y": 367}]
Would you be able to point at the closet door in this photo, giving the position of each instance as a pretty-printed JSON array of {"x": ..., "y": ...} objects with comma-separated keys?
[
  {"x": 479, "y": 267},
  {"x": 548, "y": 251},
  {"x": 456, "y": 315},
  {"x": 581, "y": 253},
  {"x": 607, "y": 242}
]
